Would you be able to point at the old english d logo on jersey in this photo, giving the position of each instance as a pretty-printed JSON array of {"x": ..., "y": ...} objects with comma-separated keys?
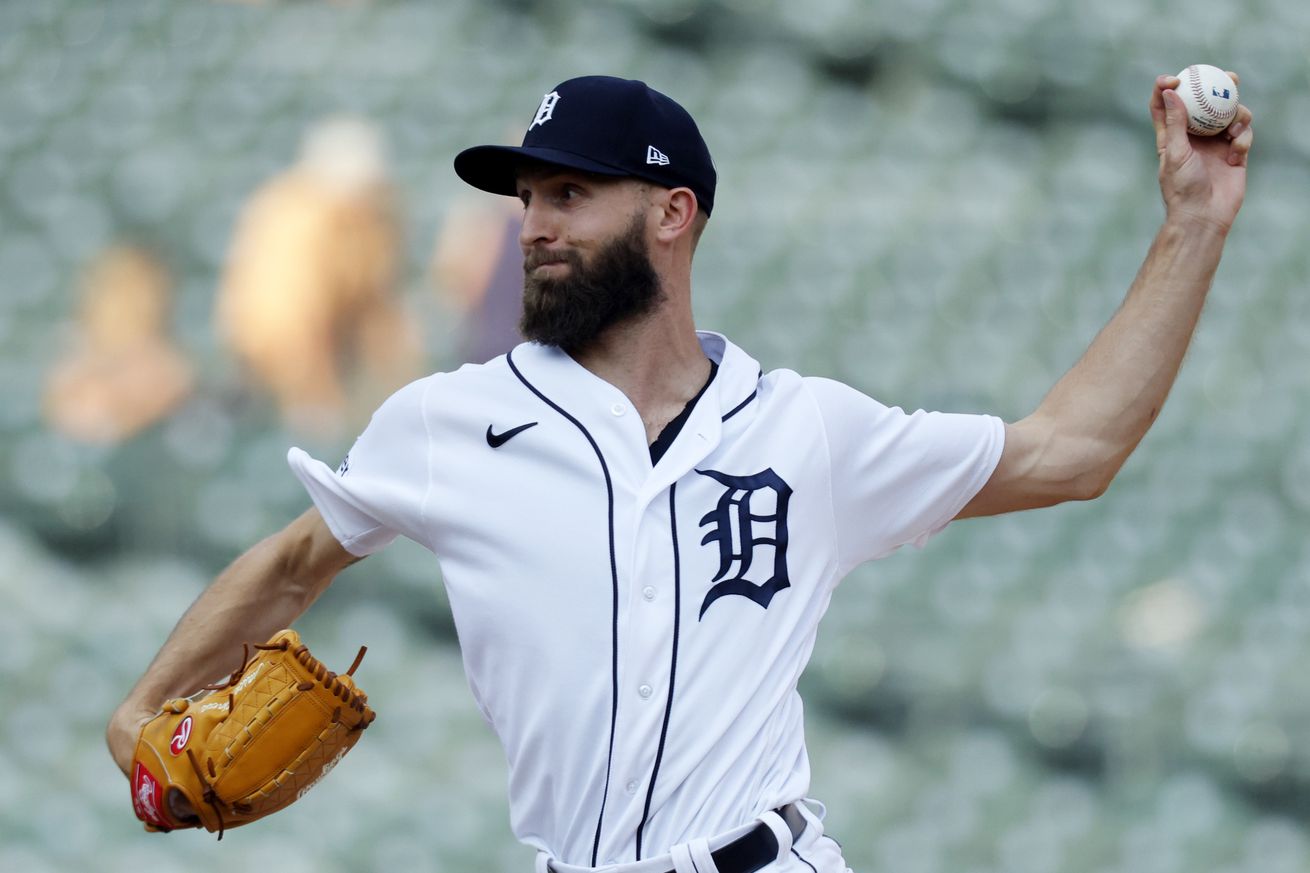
[{"x": 751, "y": 515}]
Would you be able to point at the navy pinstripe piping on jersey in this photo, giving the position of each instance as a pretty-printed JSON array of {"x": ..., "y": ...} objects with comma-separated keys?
[
  {"x": 614, "y": 582},
  {"x": 740, "y": 406},
  {"x": 673, "y": 663}
]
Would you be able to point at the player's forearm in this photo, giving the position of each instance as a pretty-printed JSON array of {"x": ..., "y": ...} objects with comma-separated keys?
[
  {"x": 1104, "y": 405},
  {"x": 262, "y": 592},
  {"x": 249, "y": 601}
]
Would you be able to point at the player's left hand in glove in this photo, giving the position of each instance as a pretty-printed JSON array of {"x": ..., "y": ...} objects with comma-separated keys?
[{"x": 249, "y": 747}]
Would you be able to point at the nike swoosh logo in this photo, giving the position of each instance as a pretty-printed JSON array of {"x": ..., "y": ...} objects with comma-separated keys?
[{"x": 496, "y": 440}]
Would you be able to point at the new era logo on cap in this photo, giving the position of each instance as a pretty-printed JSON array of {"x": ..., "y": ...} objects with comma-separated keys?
[{"x": 602, "y": 125}]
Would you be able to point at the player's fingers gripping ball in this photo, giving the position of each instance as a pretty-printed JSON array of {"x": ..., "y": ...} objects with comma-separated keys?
[
  {"x": 1210, "y": 96},
  {"x": 237, "y": 752}
]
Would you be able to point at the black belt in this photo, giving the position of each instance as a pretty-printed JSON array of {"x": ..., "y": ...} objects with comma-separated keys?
[{"x": 757, "y": 847}]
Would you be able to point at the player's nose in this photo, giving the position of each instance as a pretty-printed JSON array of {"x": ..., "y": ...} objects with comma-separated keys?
[{"x": 538, "y": 227}]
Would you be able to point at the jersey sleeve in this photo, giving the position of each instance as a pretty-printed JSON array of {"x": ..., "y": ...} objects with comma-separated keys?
[
  {"x": 899, "y": 477},
  {"x": 380, "y": 488}
]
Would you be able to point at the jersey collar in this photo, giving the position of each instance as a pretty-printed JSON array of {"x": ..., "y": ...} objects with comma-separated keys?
[
  {"x": 561, "y": 378},
  {"x": 738, "y": 376},
  {"x": 606, "y": 413}
]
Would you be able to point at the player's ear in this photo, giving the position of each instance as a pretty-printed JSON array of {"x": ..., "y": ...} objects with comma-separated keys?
[{"x": 677, "y": 214}]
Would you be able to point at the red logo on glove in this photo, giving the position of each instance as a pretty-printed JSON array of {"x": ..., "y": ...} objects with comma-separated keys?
[
  {"x": 180, "y": 736},
  {"x": 146, "y": 797}
]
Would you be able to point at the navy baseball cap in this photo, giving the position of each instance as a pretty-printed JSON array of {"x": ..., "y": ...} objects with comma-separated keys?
[{"x": 600, "y": 124}]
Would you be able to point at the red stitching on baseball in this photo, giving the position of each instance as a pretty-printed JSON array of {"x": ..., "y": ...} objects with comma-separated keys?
[{"x": 1198, "y": 91}]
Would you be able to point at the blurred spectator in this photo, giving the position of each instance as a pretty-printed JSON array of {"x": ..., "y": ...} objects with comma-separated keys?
[
  {"x": 478, "y": 264},
  {"x": 307, "y": 300},
  {"x": 123, "y": 372}
]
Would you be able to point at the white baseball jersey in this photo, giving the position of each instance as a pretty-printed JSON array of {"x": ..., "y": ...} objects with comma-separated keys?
[{"x": 634, "y": 632}]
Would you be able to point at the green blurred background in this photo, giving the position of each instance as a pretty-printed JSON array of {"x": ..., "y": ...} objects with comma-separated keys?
[{"x": 938, "y": 201}]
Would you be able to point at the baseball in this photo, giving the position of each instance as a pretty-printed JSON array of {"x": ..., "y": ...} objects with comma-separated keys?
[{"x": 1210, "y": 97}]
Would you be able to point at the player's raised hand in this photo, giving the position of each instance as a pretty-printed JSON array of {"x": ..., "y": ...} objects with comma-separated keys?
[{"x": 1200, "y": 177}]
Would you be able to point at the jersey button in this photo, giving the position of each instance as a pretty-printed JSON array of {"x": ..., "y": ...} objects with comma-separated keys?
[
  {"x": 618, "y": 409},
  {"x": 645, "y": 691},
  {"x": 632, "y": 786},
  {"x": 648, "y": 592}
]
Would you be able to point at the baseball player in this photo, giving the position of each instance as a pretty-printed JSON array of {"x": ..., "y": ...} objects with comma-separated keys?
[{"x": 640, "y": 531}]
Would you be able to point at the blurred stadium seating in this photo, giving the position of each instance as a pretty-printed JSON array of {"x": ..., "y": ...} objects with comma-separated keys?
[{"x": 938, "y": 201}]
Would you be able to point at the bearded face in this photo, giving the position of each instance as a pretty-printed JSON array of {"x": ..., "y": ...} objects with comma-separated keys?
[{"x": 617, "y": 284}]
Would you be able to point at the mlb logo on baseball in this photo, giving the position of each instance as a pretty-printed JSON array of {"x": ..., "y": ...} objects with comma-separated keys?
[{"x": 1210, "y": 96}]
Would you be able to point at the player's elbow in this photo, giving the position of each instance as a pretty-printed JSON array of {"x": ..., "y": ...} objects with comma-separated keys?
[
  {"x": 1087, "y": 465},
  {"x": 1090, "y": 485},
  {"x": 1069, "y": 486},
  {"x": 1063, "y": 466}
]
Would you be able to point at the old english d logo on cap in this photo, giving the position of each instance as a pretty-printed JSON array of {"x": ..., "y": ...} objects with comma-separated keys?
[
  {"x": 606, "y": 126},
  {"x": 546, "y": 110}
]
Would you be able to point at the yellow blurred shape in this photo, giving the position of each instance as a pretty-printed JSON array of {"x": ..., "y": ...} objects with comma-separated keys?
[
  {"x": 307, "y": 293},
  {"x": 123, "y": 371}
]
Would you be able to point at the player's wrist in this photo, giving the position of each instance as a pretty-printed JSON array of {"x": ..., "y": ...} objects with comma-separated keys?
[
  {"x": 1196, "y": 224},
  {"x": 122, "y": 732}
]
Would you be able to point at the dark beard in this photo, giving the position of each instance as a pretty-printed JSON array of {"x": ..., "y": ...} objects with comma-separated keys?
[{"x": 619, "y": 285}]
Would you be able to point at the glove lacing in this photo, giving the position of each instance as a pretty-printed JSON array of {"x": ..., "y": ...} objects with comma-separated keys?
[{"x": 348, "y": 696}]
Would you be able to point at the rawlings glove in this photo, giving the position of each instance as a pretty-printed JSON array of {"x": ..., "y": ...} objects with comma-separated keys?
[{"x": 249, "y": 747}]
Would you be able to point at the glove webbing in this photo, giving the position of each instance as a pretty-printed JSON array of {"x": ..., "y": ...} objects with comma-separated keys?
[{"x": 320, "y": 672}]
